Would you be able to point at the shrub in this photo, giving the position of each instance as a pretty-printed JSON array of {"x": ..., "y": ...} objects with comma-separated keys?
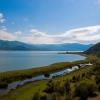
[
  {"x": 53, "y": 96},
  {"x": 78, "y": 78},
  {"x": 67, "y": 88},
  {"x": 50, "y": 87},
  {"x": 46, "y": 75},
  {"x": 69, "y": 97},
  {"x": 3, "y": 85},
  {"x": 97, "y": 79},
  {"x": 36, "y": 96},
  {"x": 43, "y": 97},
  {"x": 83, "y": 75},
  {"x": 85, "y": 89},
  {"x": 99, "y": 87},
  {"x": 82, "y": 92}
]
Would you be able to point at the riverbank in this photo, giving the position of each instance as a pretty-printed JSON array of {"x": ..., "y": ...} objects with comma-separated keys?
[
  {"x": 47, "y": 76},
  {"x": 11, "y": 76}
]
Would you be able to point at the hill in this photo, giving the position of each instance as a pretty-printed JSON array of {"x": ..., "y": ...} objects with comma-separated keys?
[
  {"x": 94, "y": 49},
  {"x": 16, "y": 45}
]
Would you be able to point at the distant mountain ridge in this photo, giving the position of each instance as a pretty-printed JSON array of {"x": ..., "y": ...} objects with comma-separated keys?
[
  {"x": 16, "y": 45},
  {"x": 94, "y": 49}
]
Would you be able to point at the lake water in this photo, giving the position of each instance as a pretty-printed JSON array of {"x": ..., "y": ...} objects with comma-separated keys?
[{"x": 15, "y": 60}]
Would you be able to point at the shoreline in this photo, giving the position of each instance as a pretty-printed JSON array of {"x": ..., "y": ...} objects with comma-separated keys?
[
  {"x": 22, "y": 60},
  {"x": 16, "y": 84},
  {"x": 12, "y": 76}
]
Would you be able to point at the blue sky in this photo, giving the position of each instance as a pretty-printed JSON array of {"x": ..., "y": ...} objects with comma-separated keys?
[{"x": 49, "y": 18}]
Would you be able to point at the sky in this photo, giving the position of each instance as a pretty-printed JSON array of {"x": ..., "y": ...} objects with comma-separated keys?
[{"x": 50, "y": 21}]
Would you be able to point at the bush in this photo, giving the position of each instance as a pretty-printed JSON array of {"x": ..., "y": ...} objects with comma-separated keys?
[
  {"x": 82, "y": 92},
  {"x": 50, "y": 87},
  {"x": 99, "y": 87},
  {"x": 61, "y": 88},
  {"x": 3, "y": 85},
  {"x": 47, "y": 75},
  {"x": 54, "y": 96},
  {"x": 83, "y": 75},
  {"x": 69, "y": 97},
  {"x": 97, "y": 79},
  {"x": 85, "y": 89},
  {"x": 43, "y": 97},
  {"x": 36, "y": 96},
  {"x": 67, "y": 88}
]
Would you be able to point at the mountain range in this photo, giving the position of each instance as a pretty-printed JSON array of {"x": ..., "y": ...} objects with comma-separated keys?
[{"x": 16, "y": 45}]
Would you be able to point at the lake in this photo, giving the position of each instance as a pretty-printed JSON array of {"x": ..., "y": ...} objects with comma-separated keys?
[{"x": 16, "y": 60}]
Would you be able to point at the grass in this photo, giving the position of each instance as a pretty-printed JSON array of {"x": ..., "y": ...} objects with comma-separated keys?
[{"x": 25, "y": 92}]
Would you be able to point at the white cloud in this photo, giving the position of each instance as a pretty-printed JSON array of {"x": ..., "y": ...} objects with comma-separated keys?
[
  {"x": 86, "y": 35},
  {"x": 18, "y": 33},
  {"x": 37, "y": 33},
  {"x": 7, "y": 36},
  {"x": 2, "y": 18},
  {"x": 89, "y": 34}
]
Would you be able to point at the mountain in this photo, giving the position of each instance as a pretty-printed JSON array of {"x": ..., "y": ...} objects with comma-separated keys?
[
  {"x": 94, "y": 49},
  {"x": 65, "y": 47},
  {"x": 16, "y": 45}
]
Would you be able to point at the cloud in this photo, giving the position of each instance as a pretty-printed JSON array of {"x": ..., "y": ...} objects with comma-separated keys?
[
  {"x": 2, "y": 20},
  {"x": 7, "y": 36},
  {"x": 37, "y": 36},
  {"x": 90, "y": 34},
  {"x": 18, "y": 33},
  {"x": 84, "y": 35},
  {"x": 36, "y": 32}
]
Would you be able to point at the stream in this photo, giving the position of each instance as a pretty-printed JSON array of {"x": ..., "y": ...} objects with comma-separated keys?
[{"x": 16, "y": 84}]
